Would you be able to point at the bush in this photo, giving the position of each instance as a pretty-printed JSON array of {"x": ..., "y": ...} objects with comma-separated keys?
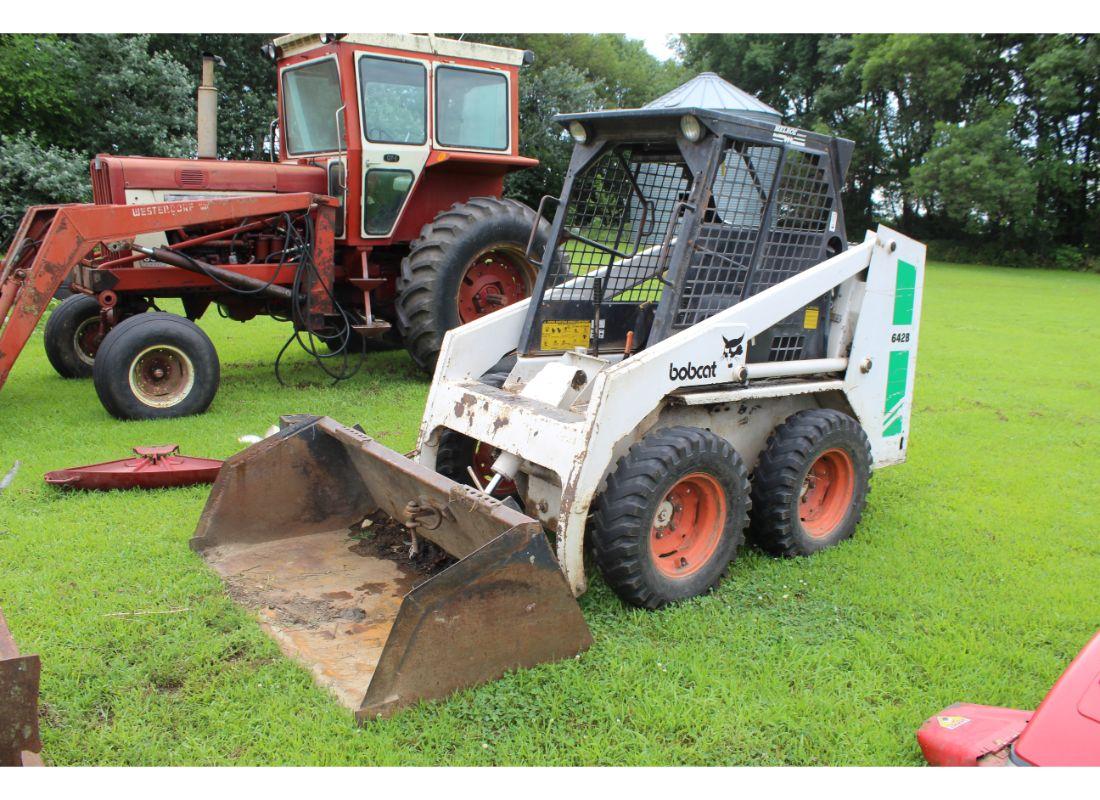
[
  {"x": 35, "y": 174},
  {"x": 1064, "y": 257}
]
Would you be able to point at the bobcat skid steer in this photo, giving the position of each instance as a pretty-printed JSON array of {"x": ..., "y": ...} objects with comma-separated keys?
[{"x": 704, "y": 357}]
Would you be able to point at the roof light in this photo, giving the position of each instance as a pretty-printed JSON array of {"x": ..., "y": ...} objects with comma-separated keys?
[
  {"x": 690, "y": 127},
  {"x": 270, "y": 51},
  {"x": 578, "y": 132}
]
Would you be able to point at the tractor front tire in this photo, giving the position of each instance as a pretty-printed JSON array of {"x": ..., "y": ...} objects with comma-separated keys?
[
  {"x": 72, "y": 336},
  {"x": 156, "y": 366},
  {"x": 467, "y": 262},
  {"x": 672, "y": 517},
  {"x": 811, "y": 483}
]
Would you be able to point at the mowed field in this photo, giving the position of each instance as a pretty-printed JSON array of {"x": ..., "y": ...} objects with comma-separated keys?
[{"x": 973, "y": 576}]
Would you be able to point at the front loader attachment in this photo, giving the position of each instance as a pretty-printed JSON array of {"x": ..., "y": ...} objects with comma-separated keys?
[{"x": 308, "y": 529}]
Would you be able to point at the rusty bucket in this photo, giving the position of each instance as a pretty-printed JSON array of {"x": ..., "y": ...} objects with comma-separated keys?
[
  {"x": 303, "y": 529},
  {"x": 19, "y": 742}
]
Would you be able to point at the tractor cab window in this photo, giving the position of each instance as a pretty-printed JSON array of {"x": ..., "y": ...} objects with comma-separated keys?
[
  {"x": 394, "y": 100},
  {"x": 471, "y": 109},
  {"x": 311, "y": 99}
]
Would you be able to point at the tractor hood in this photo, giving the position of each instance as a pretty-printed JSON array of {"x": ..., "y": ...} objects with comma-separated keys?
[{"x": 113, "y": 176}]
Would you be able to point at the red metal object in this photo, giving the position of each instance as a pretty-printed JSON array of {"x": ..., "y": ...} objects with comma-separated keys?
[
  {"x": 19, "y": 740},
  {"x": 968, "y": 735},
  {"x": 1064, "y": 731},
  {"x": 493, "y": 280},
  {"x": 688, "y": 525},
  {"x": 52, "y": 240},
  {"x": 157, "y": 467}
]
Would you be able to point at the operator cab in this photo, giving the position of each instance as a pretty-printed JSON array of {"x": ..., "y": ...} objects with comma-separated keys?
[{"x": 380, "y": 111}]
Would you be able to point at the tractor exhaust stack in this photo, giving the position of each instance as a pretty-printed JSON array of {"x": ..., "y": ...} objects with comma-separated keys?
[
  {"x": 284, "y": 527},
  {"x": 206, "y": 116}
]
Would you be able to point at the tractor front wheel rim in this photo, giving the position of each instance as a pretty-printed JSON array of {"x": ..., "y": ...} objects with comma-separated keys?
[
  {"x": 86, "y": 339},
  {"x": 827, "y": 492},
  {"x": 161, "y": 376},
  {"x": 496, "y": 278},
  {"x": 687, "y": 525}
]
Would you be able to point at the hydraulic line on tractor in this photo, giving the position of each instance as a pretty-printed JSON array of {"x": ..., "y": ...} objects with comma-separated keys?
[{"x": 298, "y": 244}]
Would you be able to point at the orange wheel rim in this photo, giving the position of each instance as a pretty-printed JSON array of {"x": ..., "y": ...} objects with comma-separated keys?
[
  {"x": 687, "y": 525},
  {"x": 827, "y": 492}
]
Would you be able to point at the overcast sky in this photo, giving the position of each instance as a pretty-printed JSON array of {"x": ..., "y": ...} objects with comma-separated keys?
[{"x": 656, "y": 43}]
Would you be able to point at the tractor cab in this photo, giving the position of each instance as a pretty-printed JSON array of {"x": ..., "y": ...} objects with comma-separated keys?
[
  {"x": 384, "y": 113},
  {"x": 670, "y": 216}
]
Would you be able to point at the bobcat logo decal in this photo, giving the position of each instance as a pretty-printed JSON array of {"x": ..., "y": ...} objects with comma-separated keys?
[{"x": 733, "y": 349}]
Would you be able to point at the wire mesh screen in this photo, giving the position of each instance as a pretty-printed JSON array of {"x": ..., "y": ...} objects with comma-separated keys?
[
  {"x": 728, "y": 235},
  {"x": 800, "y": 222},
  {"x": 621, "y": 217}
]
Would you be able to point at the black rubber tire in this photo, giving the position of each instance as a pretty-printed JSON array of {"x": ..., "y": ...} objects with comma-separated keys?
[
  {"x": 427, "y": 289},
  {"x": 623, "y": 514},
  {"x": 59, "y": 336},
  {"x": 456, "y": 450},
  {"x": 127, "y": 340},
  {"x": 793, "y": 447}
]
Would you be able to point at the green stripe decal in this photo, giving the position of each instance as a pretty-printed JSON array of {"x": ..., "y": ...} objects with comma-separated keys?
[
  {"x": 905, "y": 291},
  {"x": 897, "y": 377}
]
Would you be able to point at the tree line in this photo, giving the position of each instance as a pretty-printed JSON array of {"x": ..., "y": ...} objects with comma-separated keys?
[{"x": 984, "y": 145}]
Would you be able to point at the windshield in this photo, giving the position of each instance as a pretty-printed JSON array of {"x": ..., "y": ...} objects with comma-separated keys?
[
  {"x": 311, "y": 98},
  {"x": 472, "y": 109},
  {"x": 394, "y": 100}
]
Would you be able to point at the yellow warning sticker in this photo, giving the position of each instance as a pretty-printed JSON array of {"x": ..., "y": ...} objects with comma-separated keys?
[
  {"x": 952, "y": 722},
  {"x": 565, "y": 334},
  {"x": 809, "y": 322}
]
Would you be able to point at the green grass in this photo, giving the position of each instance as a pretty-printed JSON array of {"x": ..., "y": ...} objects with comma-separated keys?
[{"x": 973, "y": 577}]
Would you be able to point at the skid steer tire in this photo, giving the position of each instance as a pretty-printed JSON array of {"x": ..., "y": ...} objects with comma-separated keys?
[
  {"x": 156, "y": 366},
  {"x": 672, "y": 517},
  {"x": 457, "y": 452},
  {"x": 811, "y": 483},
  {"x": 435, "y": 291},
  {"x": 71, "y": 336}
]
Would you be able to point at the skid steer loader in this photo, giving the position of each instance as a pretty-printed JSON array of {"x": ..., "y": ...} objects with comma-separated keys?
[{"x": 703, "y": 357}]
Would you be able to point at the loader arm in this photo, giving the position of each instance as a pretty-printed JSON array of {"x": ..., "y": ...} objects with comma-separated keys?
[{"x": 52, "y": 240}]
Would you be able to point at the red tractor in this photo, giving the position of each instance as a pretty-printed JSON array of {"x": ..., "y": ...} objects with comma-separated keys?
[{"x": 380, "y": 223}]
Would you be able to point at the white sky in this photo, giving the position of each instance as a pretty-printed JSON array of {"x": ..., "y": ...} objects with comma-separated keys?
[{"x": 656, "y": 44}]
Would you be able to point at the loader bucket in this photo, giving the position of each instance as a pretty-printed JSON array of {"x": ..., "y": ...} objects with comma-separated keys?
[{"x": 283, "y": 527}]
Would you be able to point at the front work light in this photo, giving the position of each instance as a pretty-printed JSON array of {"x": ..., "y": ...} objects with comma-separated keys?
[
  {"x": 691, "y": 128},
  {"x": 578, "y": 132}
]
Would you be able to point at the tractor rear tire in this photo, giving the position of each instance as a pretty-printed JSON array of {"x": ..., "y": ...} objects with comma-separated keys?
[
  {"x": 467, "y": 262},
  {"x": 672, "y": 517},
  {"x": 71, "y": 336},
  {"x": 156, "y": 366},
  {"x": 457, "y": 452},
  {"x": 811, "y": 483}
]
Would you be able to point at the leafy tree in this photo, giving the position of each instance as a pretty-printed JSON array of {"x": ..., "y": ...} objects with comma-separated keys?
[
  {"x": 552, "y": 90},
  {"x": 33, "y": 173},
  {"x": 246, "y": 85},
  {"x": 975, "y": 175}
]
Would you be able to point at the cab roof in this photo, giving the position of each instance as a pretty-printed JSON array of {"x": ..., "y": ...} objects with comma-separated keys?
[{"x": 295, "y": 43}]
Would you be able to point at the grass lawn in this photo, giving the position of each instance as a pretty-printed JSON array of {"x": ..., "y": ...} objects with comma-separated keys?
[{"x": 973, "y": 576}]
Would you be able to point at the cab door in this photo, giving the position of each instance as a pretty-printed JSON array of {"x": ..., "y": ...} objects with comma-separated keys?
[{"x": 393, "y": 101}]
